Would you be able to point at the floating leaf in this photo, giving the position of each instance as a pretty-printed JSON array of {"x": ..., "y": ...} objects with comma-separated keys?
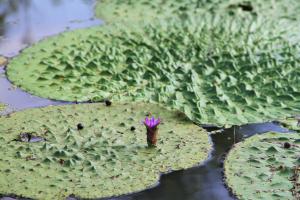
[
  {"x": 73, "y": 159},
  {"x": 269, "y": 171}
]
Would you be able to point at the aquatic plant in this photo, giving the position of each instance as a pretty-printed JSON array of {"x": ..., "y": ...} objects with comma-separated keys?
[
  {"x": 91, "y": 150},
  {"x": 152, "y": 130},
  {"x": 265, "y": 167},
  {"x": 127, "y": 11},
  {"x": 214, "y": 72}
]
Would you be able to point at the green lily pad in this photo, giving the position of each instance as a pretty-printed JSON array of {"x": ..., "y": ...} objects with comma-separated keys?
[
  {"x": 214, "y": 72},
  {"x": 143, "y": 10},
  {"x": 268, "y": 173},
  {"x": 92, "y": 151}
]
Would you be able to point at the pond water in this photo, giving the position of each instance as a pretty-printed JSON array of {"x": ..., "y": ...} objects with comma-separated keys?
[{"x": 23, "y": 22}]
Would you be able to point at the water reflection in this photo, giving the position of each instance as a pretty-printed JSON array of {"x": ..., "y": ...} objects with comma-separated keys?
[
  {"x": 6, "y": 8},
  {"x": 23, "y": 22}
]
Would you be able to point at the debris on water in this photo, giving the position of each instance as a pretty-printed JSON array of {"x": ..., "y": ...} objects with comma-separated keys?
[
  {"x": 3, "y": 61},
  {"x": 29, "y": 137}
]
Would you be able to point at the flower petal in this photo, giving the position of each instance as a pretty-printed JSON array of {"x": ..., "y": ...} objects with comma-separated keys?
[
  {"x": 157, "y": 122},
  {"x": 151, "y": 122},
  {"x": 146, "y": 121}
]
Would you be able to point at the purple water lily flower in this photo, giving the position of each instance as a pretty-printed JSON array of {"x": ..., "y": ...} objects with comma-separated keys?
[
  {"x": 151, "y": 123},
  {"x": 152, "y": 130}
]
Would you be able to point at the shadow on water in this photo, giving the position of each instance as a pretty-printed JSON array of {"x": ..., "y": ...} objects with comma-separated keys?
[{"x": 23, "y": 22}]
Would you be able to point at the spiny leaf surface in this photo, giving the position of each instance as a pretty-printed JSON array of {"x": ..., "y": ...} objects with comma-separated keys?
[
  {"x": 265, "y": 167},
  {"x": 104, "y": 157},
  {"x": 221, "y": 73}
]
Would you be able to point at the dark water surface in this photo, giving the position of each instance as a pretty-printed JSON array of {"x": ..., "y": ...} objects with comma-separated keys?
[{"x": 23, "y": 22}]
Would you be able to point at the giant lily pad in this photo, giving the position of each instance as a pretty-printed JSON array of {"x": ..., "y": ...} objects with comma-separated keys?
[
  {"x": 215, "y": 72},
  {"x": 93, "y": 150},
  {"x": 144, "y": 10},
  {"x": 265, "y": 167}
]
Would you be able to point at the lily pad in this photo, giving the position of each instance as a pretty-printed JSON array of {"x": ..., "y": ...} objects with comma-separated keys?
[
  {"x": 214, "y": 72},
  {"x": 271, "y": 172},
  {"x": 102, "y": 158},
  {"x": 144, "y": 10}
]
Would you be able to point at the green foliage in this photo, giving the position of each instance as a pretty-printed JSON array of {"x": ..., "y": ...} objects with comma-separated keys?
[
  {"x": 217, "y": 62},
  {"x": 144, "y": 10},
  {"x": 265, "y": 167},
  {"x": 291, "y": 123},
  {"x": 217, "y": 73},
  {"x": 2, "y": 107},
  {"x": 103, "y": 156}
]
